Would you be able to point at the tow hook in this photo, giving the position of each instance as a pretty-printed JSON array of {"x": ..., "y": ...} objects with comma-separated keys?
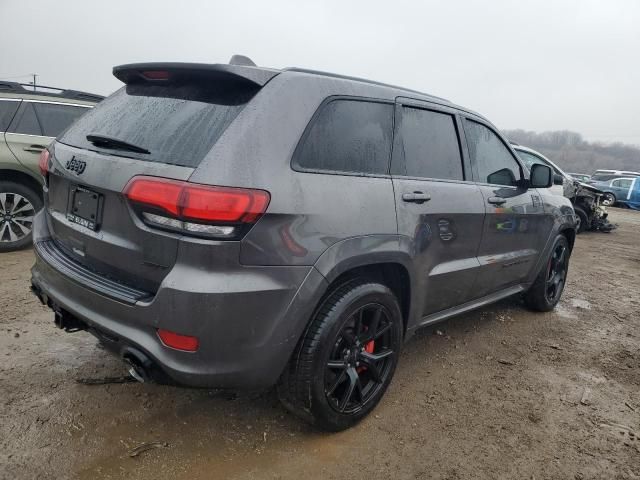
[{"x": 67, "y": 322}]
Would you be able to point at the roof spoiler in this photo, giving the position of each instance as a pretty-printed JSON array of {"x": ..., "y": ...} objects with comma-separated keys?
[{"x": 158, "y": 72}]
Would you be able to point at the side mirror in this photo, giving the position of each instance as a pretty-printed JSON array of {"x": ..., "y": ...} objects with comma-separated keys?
[
  {"x": 558, "y": 179},
  {"x": 541, "y": 176}
]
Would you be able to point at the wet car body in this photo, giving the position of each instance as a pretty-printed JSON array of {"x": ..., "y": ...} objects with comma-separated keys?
[{"x": 241, "y": 292}]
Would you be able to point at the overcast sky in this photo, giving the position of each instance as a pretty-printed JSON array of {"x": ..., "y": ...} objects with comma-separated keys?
[{"x": 538, "y": 65}]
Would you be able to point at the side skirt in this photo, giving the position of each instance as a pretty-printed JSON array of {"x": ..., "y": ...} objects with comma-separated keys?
[{"x": 466, "y": 307}]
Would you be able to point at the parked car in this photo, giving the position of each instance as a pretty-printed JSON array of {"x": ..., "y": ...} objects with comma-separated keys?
[
  {"x": 563, "y": 183},
  {"x": 235, "y": 226},
  {"x": 585, "y": 198},
  {"x": 606, "y": 175},
  {"x": 615, "y": 190},
  {"x": 619, "y": 173},
  {"x": 29, "y": 120},
  {"x": 582, "y": 177}
]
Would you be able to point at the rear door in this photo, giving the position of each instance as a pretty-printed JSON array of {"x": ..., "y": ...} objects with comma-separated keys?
[
  {"x": 34, "y": 126},
  {"x": 620, "y": 188},
  {"x": 516, "y": 227},
  {"x": 8, "y": 108},
  {"x": 440, "y": 210}
]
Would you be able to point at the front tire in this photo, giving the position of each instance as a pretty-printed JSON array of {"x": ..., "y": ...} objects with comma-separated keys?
[
  {"x": 18, "y": 205},
  {"x": 346, "y": 359},
  {"x": 546, "y": 291},
  {"x": 583, "y": 220}
]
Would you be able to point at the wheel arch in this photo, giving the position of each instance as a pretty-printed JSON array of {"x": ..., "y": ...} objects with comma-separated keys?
[
  {"x": 377, "y": 257},
  {"x": 570, "y": 233},
  {"x": 22, "y": 178}
]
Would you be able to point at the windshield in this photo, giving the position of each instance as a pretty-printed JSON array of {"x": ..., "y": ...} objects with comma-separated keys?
[
  {"x": 176, "y": 124},
  {"x": 529, "y": 159}
]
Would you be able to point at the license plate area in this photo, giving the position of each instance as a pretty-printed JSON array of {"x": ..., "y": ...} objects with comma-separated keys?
[{"x": 85, "y": 207}]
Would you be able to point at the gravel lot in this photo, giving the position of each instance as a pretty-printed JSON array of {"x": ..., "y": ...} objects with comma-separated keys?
[{"x": 497, "y": 393}]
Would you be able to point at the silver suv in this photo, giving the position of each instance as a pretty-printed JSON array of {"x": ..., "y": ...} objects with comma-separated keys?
[
  {"x": 235, "y": 226},
  {"x": 29, "y": 120}
]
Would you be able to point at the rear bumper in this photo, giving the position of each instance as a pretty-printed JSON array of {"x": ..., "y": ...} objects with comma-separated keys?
[{"x": 247, "y": 319}]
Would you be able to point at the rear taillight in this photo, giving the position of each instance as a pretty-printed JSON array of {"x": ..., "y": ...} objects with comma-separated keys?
[
  {"x": 43, "y": 163},
  {"x": 193, "y": 209},
  {"x": 155, "y": 74}
]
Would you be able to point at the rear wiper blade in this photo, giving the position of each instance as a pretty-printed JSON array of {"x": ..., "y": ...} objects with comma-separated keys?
[{"x": 114, "y": 143}]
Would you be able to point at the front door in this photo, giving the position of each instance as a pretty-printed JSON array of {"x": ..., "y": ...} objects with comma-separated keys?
[
  {"x": 516, "y": 227},
  {"x": 440, "y": 210}
]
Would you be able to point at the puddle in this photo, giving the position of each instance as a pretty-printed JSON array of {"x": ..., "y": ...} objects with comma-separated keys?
[
  {"x": 562, "y": 310},
  {"x": 579, "y": 303}
]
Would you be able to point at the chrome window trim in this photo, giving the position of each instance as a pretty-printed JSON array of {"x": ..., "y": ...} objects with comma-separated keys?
[{"x": 57, "y": 103}]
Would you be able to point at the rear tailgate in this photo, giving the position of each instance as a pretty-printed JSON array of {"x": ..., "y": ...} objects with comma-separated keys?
[
  {"x": 120, "y": 247},
  {"x": 172, "y": 119}
]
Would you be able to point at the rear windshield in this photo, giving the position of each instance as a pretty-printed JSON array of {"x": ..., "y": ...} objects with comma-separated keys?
[{"x": 176, "y": 124}]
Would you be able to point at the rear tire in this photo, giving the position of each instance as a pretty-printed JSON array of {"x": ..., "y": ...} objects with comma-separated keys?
[
  {"x": 18, "y": 205},
  {"x": 546, "y": 291},
  {"x": 346, "y": 359}
]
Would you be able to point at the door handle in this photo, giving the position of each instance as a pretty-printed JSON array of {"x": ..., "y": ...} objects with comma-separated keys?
[
  {"x": 416, "y": 197},
  {"x": 497, "y": 200},
  {"x": 34, "y": 148}
]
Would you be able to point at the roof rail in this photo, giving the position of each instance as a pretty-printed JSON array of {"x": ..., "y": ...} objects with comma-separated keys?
[
  {"x": 19, "y": 88},
  {"x": 358, "y": 79}
]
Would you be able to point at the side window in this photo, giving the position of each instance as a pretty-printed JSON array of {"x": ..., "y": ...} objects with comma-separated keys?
[
  {"x": 25, "y": 121},
  {"x": 56, "y": 118},
  {"x": 430, "y": 145},
  {"x": 625, "y": 183},
  {"x": 348, "y": 136},
  {"x": 7, "y": 111},
  {"x": 492, "y": 158}
]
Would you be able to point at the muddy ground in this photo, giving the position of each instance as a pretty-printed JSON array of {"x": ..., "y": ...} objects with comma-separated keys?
[{"x": 497, "y": 393}]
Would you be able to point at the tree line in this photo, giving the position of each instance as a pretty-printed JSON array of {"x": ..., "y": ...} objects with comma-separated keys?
[{"x": 574, "y": 154}]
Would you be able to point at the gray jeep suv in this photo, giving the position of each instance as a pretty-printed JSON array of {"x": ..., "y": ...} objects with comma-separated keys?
[{"x": 235, "y": 226}]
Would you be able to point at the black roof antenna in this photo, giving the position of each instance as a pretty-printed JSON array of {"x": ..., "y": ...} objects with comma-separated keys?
[{"x": 242, "y": 60}]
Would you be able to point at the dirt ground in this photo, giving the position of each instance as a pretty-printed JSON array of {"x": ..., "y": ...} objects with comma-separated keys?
[{"x": 499, "y": 393}]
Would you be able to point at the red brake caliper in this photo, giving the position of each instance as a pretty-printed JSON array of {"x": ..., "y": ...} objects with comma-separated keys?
[{"x": 369, "y": 349}]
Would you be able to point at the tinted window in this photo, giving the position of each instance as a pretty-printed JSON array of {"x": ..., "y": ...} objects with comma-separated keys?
[
  {"x": 431, "y": 147},
  {"x": 178, "y": 124},
  {"x": 492, "y": 158},
  {"x": 25, "y": 121},
  {"x": 7, "y": 110},
  {"x": 348, "y": 136},
  {"x": 602, "y": 177},
  {"x": 55, "y": 118}
]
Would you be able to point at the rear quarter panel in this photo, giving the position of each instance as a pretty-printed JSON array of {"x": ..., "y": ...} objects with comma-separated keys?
[{"x": 308, "y": 212}]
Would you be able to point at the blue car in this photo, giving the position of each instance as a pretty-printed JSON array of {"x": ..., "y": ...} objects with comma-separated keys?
[{"x": 615, "y": 190}]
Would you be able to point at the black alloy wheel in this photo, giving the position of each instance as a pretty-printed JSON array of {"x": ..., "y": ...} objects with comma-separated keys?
[
  {"x": 556, "y": 273},
  {"x": 360, "y": 360}
]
